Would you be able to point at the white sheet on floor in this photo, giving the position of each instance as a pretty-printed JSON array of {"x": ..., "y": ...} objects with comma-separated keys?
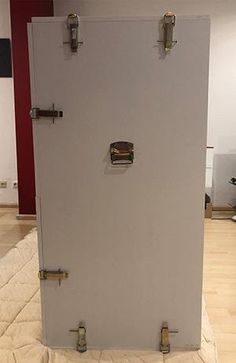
[{"x": 20, "y": 321}]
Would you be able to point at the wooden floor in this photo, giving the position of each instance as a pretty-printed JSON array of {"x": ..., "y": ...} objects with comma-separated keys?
[
  {"x": 220, "y": 285},
  {"x": 219, "y": 274},
  {"x": 11, "y": 229}
]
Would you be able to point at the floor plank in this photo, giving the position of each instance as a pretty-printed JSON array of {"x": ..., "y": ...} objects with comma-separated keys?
[
  {"x": 219, "y": 273},
  {"x": 220, "y": 284},
  {"x": 11, "y": 229}
]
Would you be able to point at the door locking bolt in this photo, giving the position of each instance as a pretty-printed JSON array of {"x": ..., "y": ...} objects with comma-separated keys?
[
  {"x": 81, "y": 342},
  {"x": 168, "y": 27},
  {"x": 36, "y": 113},
  {"x": 165, "y": 343},
  {"x": 73, "y": 26},
  {"x": 55, "y": 275}
]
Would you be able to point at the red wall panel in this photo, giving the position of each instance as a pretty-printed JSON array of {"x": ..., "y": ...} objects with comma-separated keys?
[{"x": 21, "y": 13}]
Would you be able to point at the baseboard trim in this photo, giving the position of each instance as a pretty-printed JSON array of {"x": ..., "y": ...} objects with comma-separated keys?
[
  {"x": 8, "y": 205},
  {"x": 222, "y": 208},
  {"x": 31, "y": 217}
]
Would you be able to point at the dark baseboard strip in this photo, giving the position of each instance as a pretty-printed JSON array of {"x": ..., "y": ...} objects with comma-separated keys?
[{"x": 8, "y": 205}]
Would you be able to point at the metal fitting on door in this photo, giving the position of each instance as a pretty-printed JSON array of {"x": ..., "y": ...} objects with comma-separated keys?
[{"x": 81, "y": 342}]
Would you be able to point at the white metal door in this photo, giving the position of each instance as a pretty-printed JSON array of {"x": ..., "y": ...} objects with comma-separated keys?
[{"x": 131, "y": 237}]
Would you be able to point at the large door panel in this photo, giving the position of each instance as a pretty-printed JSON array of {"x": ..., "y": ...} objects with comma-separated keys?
[{"x": 129, "y": 236}]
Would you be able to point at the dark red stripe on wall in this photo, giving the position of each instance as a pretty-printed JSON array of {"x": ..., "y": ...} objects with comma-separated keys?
[{"x": 21, "y": 13}]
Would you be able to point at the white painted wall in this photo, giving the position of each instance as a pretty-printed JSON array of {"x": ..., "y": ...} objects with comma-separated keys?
[
  {"x": 222, "y": 89},
  {"x": 7, "y": 120}
]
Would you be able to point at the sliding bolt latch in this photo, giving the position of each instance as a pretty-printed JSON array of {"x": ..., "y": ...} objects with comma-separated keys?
[
  {"x": 81, "y": 342},
  {"x": 73, "y": 26},
  {"x": 168, "y": 27},
  {"x": 165, "y": 342}
]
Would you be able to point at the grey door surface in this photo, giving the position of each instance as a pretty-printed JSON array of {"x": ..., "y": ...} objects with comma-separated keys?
[{"x": 130, "y": 237}]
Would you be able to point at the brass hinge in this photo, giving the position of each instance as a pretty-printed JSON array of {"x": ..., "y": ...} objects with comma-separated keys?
[{"x": 55, "y": 275}]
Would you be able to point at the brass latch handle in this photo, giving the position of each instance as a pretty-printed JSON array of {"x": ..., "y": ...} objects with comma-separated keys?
[{"x": 122, "y": 152}]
